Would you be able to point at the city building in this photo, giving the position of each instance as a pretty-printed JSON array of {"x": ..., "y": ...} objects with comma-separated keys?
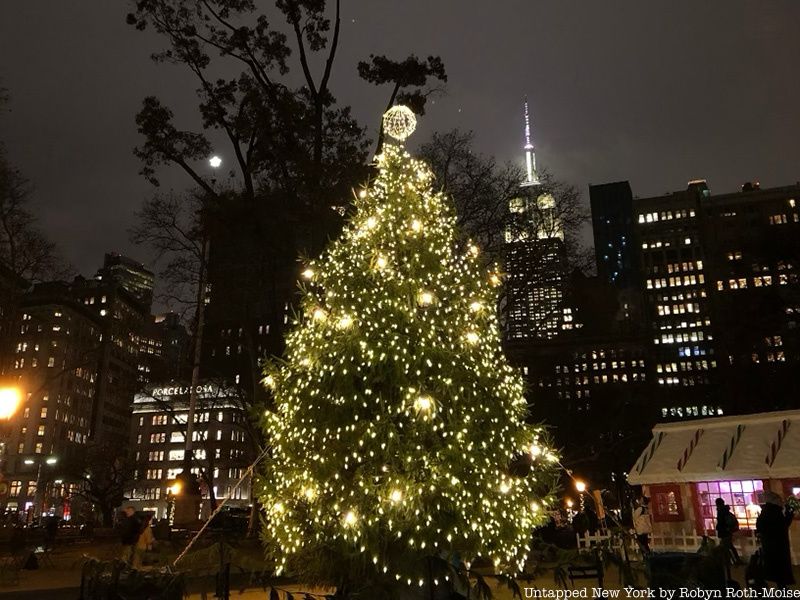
[
  {"x": 252, "y": 283},
  {"x": 751, "y": 242},
  {"x": 535, "y": 259},
  {"x": 672, "y": 259},
  {"x": 221, "y": 447},
  {"x": 613, "y": 227},
  {"x": 12, "y": 289},
  {"x": 164, "y": 346},
  {"x": 720, "y": 281},
  {"x": 130, "y": 274},
  {"x": 74, "y": 357},
  {"x": 591, "y": 383}
]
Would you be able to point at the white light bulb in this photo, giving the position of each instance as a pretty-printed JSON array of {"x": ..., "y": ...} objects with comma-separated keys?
[
  {"x": 396, "y": 496},
  {"x": 425, "y": 298},
  {"x": 472, "y": 337},
  {"x": 350, "y": 518},
  {"x": 416, "y": 226},
  {"x": 475, "y": 306},
  {"x": 215, "y": 162},
  {"x": 319, "y": 314},
  {"x": 423, "y": 403},
  {"x": 308, "y": 274}
]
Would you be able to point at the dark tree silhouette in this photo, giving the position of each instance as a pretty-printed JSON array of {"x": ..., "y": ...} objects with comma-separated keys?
[{"x": 101, "y": 474}]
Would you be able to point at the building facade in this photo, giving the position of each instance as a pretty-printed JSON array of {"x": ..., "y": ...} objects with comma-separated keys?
[
  {"x": 221, "y": 446},
  {"x": 132, "y": 275},
  {"x": 613, "y": 226},
  {"x": 74, "y": 359},
  {"x": 721, "y": 281}
]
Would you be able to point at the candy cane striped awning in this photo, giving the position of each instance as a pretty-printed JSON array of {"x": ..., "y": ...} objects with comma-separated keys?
[{"x": 755, "y": 446}]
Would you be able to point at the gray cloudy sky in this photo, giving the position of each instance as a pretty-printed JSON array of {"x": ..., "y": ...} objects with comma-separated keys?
[{"x": 658, "y": 92}]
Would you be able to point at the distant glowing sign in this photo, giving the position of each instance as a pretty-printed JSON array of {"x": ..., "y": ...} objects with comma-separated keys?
[{"x": 183, "y": 390}]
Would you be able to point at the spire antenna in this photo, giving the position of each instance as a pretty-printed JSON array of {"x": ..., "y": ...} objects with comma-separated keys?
[{"x": 530, "y": 156}]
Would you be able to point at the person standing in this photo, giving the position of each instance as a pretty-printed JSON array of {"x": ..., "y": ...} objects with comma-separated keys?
[
  {"x": 727, "y": 525},
  {"x": 143, "y": 543},
  {"x": 772, "y": 527},
  {"x": 129, "y": 530},
  {"x": 643, "y": 525}
]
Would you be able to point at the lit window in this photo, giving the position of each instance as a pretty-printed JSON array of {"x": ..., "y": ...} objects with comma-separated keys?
[{"x": 742, "y": 496}]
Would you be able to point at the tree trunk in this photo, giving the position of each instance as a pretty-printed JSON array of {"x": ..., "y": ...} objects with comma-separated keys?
[{"x": 107, "y": 515}]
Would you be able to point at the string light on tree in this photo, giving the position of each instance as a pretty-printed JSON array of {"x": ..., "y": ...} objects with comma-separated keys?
[
  {"x": 423, "y": 404},
  {"x": 425, "y": 298},
  {"x": 397, "y": 417}
]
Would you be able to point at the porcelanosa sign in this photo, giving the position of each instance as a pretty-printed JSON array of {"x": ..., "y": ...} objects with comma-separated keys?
[{"x": 184, "y": 390}]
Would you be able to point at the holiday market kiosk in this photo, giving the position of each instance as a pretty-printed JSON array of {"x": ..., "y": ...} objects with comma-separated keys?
[{"x": 688, "y": 465}]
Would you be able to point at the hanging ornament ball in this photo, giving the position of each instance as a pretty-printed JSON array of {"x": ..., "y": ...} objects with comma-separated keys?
[{"x": 399, "y": 122}]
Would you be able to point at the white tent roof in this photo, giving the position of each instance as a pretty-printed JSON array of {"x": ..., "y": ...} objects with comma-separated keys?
[{"x": 757, "y": 446}]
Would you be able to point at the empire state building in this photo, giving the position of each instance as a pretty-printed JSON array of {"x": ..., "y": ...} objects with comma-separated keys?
[{"x": 535, "y": 258}]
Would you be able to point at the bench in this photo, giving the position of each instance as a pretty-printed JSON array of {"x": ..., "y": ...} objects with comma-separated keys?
[{"x": 594, "y": 571}]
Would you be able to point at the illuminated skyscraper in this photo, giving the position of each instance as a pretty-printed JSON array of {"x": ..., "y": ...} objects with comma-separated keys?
[{"x": 535, "y": 258}]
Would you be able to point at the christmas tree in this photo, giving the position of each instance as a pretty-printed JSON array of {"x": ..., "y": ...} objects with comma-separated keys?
[{"x": 397, "y": 418}]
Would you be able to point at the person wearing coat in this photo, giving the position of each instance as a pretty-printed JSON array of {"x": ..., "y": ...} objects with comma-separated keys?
[
  {"x": 772, "y": 527},
  {"x": 643, "y": 525},
  {"x": 143, "y": 543}
]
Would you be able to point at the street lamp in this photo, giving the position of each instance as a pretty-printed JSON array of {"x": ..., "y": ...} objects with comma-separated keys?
[
  {"x": 215, "y": 162},
  {"x": 173, "y": 491},
  {"x": 580, "y": 487},
  {"x": 10, "y": 399}
]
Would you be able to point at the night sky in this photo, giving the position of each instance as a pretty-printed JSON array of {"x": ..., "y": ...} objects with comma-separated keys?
[{"x": 654, "y": 92}]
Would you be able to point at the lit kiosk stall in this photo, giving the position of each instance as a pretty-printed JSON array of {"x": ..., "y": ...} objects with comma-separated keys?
[{"x": 688, "y": 465}]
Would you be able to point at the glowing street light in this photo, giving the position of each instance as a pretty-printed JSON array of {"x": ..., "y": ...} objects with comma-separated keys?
[
  {"x": 581, "y": 487},
  {"x": 215, "y": 162},
  {"x": 175, "y": 488},
  {"x": 10, "y": 399}
]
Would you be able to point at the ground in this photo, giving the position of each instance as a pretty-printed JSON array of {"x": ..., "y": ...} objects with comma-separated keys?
[{"x": 62, "y": 578}]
